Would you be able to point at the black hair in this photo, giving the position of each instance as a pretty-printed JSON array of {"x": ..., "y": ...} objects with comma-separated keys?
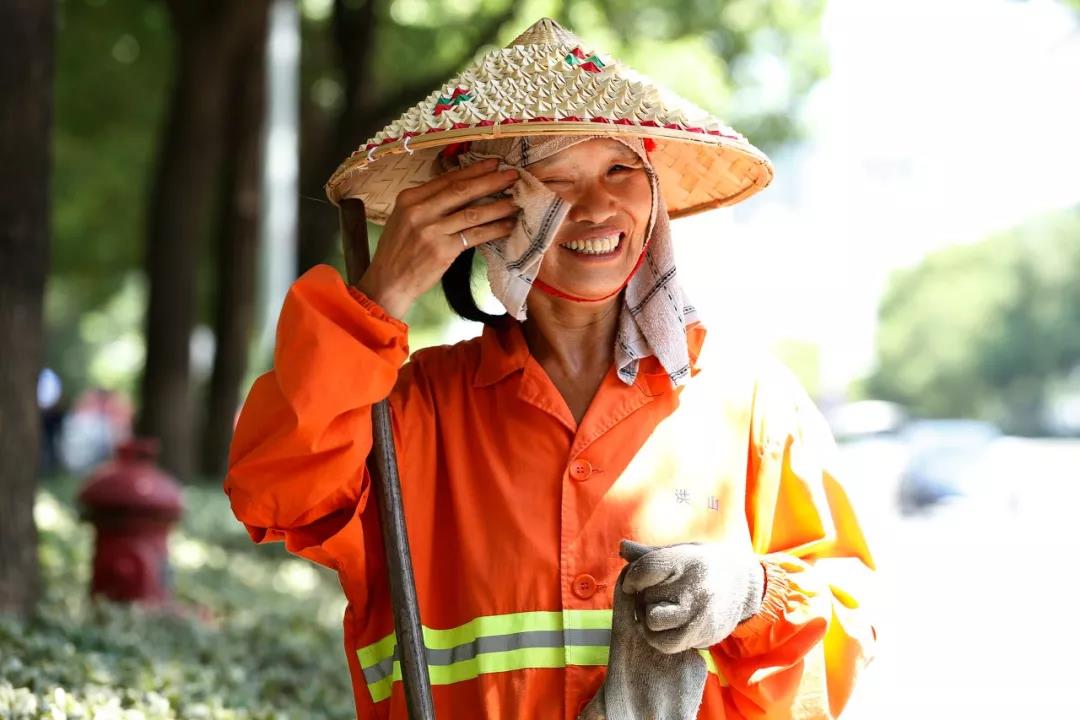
[{"x": 457, "y": 287}]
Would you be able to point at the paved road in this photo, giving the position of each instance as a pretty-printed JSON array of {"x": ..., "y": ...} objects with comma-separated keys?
[{"x": 979, "y": 600}]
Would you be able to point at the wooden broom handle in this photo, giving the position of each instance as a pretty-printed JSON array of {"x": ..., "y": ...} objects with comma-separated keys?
[{"x": 382, "y": 464}]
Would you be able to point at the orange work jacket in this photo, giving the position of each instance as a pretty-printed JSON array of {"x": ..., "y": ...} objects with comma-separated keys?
[{"x": 515, "y": 511}]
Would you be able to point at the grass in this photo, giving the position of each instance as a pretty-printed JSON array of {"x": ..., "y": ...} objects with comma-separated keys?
[{"x": 255, "y": 633}]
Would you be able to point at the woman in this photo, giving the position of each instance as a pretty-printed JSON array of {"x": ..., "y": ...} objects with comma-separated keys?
[{"x": 587, "y": 416}]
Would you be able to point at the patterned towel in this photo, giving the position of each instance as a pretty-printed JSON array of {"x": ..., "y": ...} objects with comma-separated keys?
[{"x": 655, "y": 310}]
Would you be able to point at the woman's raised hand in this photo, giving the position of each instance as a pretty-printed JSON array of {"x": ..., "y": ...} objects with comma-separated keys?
[{"x": 431, "y": 225}]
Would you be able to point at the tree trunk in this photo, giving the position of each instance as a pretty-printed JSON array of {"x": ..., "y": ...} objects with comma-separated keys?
[
  {"x": 26, "y": 65},
  {"x": 354, "y": 26},
  {"x": 180, "y": 205},
  {"x": 237, "y": 243},
  {"x": 362, "y": 114}
]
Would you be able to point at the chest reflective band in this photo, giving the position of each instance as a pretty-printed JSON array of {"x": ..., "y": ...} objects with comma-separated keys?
[{"x": 498, "y": 643}]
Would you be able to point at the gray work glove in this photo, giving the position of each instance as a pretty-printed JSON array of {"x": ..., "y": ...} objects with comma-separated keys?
[
  {"x": 654, "y": 671},
  {"x": 643, "y": 683},
  {"x": 692, "y": 595}
]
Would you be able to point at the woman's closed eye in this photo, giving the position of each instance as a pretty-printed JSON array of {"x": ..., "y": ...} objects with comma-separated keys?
[{"x": 616, "y": 169}]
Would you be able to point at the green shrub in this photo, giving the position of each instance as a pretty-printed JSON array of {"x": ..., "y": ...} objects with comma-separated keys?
[{"x": 255, "y": 633}]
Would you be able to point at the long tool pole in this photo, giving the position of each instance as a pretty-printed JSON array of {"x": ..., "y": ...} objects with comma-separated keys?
[{"x": 382, "y": 464}]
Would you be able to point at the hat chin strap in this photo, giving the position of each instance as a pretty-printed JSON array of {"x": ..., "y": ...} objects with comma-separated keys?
[{"x": 555, "y": 292}]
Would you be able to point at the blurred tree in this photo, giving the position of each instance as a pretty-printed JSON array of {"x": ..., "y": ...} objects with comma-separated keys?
[
  {"x": 26, "y": 69},
  {"x": 236, "y": 245},
  {"x": 364, "y": 61},
  {"x": 333, "y": 126},
  {"x": 112, "y": 68},
  {"x": 750, "y": 61},
  {"x": 983, "y": 330},
  {"x": 212, "y": 38},
  {"x": 803, "y": 358},
  {"x": 113, "y": 63}
]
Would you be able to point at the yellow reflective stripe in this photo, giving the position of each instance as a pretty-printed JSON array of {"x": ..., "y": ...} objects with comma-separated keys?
[
  {"x": 380, "y": 652},
  {"x": 515, "y": 660},
  {"x": 586, "y": 655},
  {"x": 489, "y": 625},
  {"x": 498, "y": 662},
  {"x": 469, "y": 669},
  {"x": 381, "y": 690},
  {"x": 377, "y": 651},
  {"x": 710, "y": 665},
  {"x": 588, "y": 619}
]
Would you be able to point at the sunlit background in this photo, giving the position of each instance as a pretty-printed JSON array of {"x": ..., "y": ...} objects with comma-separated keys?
[{"x": 916, "y": 262}]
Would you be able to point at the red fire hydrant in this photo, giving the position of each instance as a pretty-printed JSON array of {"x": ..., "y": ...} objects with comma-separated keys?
[{"x": 132, "y": 505}]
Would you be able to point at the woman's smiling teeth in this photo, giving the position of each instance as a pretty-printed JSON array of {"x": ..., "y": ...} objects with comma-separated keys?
[{"x": 594, "y": 246}]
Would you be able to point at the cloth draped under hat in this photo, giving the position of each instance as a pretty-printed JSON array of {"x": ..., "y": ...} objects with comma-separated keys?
[{"x": 655, "y": 311}]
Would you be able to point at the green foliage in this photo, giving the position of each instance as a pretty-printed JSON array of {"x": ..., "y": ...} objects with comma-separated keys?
[
  {"x": 749, "y": 61},
  {"x": 111, "y": 81},
  {"x": 804, "y": 360},
  {"x": 112, "y": 60},
  {"x": 982, "y": 330},
  {"x": 257, "y": 634},
  {"x": 95, "y": 346}
]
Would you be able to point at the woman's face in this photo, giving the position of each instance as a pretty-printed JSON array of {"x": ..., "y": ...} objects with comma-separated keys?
[{"x": 599, "y": 242}]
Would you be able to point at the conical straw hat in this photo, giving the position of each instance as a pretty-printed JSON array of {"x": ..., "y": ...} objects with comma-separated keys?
[{"x": 548, "y": 81}]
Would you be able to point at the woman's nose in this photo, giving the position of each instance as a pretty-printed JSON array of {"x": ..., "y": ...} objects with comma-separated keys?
[{"x": 592, "y": 204}]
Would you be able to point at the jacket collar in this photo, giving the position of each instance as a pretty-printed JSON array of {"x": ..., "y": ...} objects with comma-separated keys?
[{"x": 503, "y": 351}]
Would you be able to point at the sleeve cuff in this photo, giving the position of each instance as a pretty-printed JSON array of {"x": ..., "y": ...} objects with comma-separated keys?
[
  {"x": 376, "y": 309},
  {"x": 772, "y": 607}
]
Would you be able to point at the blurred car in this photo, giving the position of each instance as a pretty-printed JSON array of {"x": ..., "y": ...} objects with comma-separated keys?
[
  {"x": 947, "y": 459},
  {"x": 864, "y": 419}
]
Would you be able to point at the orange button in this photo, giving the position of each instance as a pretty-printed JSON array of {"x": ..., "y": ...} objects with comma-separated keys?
[
  {"x": 580, "y": 469},
  {"x": 584, "y": 586}
]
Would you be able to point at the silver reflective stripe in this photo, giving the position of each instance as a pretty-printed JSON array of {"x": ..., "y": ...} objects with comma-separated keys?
[{"x": 497, "y": 643}]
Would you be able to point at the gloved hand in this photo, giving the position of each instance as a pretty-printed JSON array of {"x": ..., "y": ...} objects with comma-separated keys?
[
  {"x": 691, "y": 595},
  {"x": 643, "y": 683},
  {"x": 669, "y": 601}
]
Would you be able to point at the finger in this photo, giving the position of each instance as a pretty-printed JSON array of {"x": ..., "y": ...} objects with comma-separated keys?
[
  {"x": 623, "y": 614},
  {"x": 460, "y": 193},
  {"x": 669, "y": 642},
  {"x": 631, "y": 551},
  {"x": 651, "y": 569},
  {"x": 477, "y": 215},
  {"x": 662, "y": 592},
  {"x": 666, "y": 615},
  {"x": 487, "y": 232},
  {"x": 423, "y": 191}
]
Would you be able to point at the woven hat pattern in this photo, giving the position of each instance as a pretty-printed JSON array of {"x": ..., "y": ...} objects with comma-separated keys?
[{"x": 549, "y": 81}]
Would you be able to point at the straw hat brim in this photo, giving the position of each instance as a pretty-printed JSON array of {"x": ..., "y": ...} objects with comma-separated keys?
[
  {"x": 544, "y": 83},
  {"x": 696, "y": 174}
]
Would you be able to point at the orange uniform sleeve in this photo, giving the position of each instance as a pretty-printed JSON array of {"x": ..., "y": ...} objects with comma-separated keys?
[
  {"x": 800, "y": 655},
  {"x": 296, "y": 463}
]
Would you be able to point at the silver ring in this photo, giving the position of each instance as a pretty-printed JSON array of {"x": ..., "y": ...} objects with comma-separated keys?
[{"x": 464, "y": 242}]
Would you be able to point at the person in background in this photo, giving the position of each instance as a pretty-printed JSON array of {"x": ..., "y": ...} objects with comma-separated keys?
[{"x": 50, "y": 396}]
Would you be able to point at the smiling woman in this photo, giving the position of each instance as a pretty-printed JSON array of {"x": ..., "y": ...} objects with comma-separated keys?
[
  {"x": 582, "y": 417},
  {"x": 603, "y": 236},
  {"x": 591, "y": 212},
  {"x": 608, "y": 188}
]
